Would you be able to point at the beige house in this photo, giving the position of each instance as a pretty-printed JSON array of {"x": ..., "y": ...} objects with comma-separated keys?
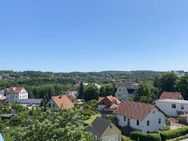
[
  {"x": 104, "y": 130},
  {"x": 126, "y": 90}
]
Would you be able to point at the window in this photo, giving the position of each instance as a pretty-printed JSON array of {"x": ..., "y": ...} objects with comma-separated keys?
[
  {"x": 137, "y": 122},
  {"x": 173, "y": 106},
  {"x": 159, "y": 121},
  {"x": 182, "y": 106},
  {"x": 148, "y": 123},
  {"x": 110, "y": 126},
  {"x": 125, "y": 119}
]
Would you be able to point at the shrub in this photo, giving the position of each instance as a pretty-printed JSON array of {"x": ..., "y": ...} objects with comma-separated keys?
[
  {"x": 166, "y": 135},
  {"x": 145, "y": 137},
  {"x": 124, "y": 138}
]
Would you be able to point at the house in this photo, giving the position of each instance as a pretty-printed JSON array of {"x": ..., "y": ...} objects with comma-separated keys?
[
  {"x": 179, "y": 73},
  {"x": 104, "y": 130},
  {"x": 14, "y": 94},
  {"x": 108, "y": 103},
  {"x": 171, "y": 107},
  {"x": 30, "y": 102},
  {"x": 171, "y": 95},
  {"x": 126, "y": 90},
  {"x": 60, "y": 102},
  {"x": 140, "y": 116}
]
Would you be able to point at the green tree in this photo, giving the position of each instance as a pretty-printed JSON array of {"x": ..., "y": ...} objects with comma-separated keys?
[
  {"x": 144, "y": 93},
  {"x": 91, "y": 92},
  {"x": 107, "y": 89},
  {"x": 81, "y": 91},
  {"x": 182, "y": 86},
  {"x": 167, "y": 82}
]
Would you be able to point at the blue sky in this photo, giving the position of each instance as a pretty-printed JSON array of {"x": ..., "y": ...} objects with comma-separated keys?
[{"x": 93, "y": 35}]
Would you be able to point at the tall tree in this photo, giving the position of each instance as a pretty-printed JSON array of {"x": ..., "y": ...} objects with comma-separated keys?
[
  {"x": 167, "y": 82},
  {"x": 144, "y": 93},
  {"x": 91, "y": 93},
  {"x": 81, "y": 91},
  {"x": 182, "y": 86},
  {"x": 107, "y": 89}
]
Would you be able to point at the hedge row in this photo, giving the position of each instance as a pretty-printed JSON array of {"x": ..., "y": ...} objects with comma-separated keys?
[
  {"x": 144, "y": 136},
  {"x": 163, "y": 136},
  {"x": 166, "y": 135}
]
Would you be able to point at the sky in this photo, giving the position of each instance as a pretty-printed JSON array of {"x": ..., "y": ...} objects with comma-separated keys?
[{"x": 93, "y": 35}]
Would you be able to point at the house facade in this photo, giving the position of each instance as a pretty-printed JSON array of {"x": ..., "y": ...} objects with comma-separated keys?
[
  {"x": 108, "y": 103},
  {"x": 60, "y": 102},
  {"x": 171, "y": 95},
  {"x": 172, "y": 107},
  {"x": 104, "y": 130},
  {"x": 14, "y": 94},
  {"x": 126, "y": 91},
  {"x": 140, "y": 116}
]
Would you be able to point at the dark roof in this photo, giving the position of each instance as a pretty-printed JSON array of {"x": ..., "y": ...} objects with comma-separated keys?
[
  {"x": 98, "y": 126},
  {"x": 128, "y": 85},
  {"x": 30, "y": 101}
]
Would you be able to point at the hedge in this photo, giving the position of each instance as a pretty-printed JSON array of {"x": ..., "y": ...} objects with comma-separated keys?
[
  {"x": 145, "y": 137},
  {"x": 166, "y": 135}
]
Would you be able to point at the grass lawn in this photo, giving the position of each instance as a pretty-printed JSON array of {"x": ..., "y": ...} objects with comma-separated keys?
[
  {"x": 125, "y": 138},
  {"x": 92, "y": 118}
]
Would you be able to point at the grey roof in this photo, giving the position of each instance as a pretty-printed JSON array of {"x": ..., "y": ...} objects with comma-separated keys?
[
  {"x": 30, "y": 101},
  {"x": 98, "y": 126},
  {"x": 128, "y": 85}
]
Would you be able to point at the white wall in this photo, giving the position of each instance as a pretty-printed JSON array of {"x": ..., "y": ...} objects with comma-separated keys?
[
  {"x": 16, "y": 97},
  {"x": 153, "y": 117},
  {"x": 166, "y": 107}
]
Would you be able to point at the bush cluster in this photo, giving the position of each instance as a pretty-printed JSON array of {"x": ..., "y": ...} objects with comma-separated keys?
[
  {"x": 166, "y": 135},
  {"x": 145, "y": 137}
]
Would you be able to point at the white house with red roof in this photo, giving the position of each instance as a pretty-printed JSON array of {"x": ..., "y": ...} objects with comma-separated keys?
[
  {"x": 140, "y": 116},
  {"x": 60, "y": 102},
  {"x": 171, "y": 95},
  {"x": 15, "y": 94},
  {"x": 172, "y": 107}
]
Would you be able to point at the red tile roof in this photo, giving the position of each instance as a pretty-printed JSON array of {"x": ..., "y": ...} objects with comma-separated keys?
[
  {"x": 15, "y": 90},
  {"x": 170, "y": 95},
  {"x": 63, "y": 101},
  {"x": 135, "y": 110},
  {"x": 113, "y": 99}
]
